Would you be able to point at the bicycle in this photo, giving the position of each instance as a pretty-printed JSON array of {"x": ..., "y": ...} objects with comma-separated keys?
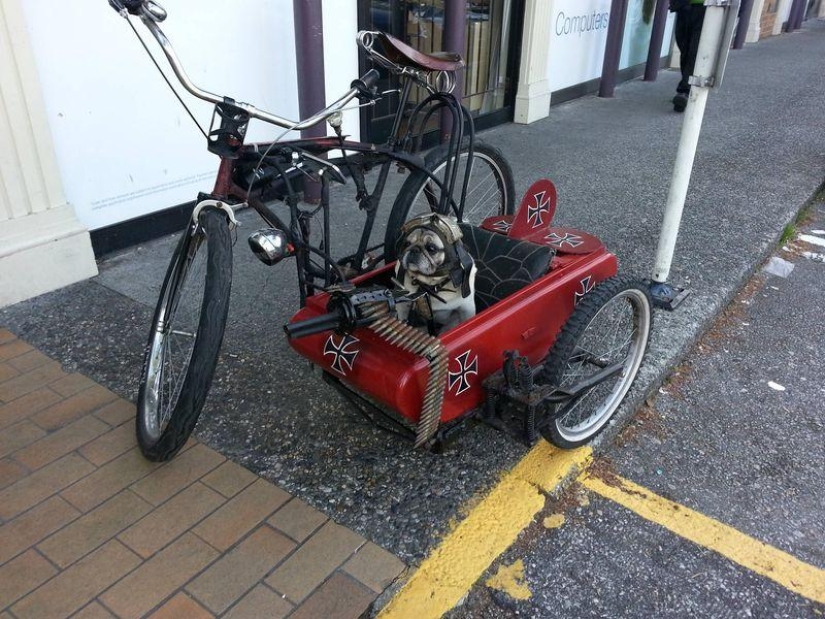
[{"x": 190, "y": 317}]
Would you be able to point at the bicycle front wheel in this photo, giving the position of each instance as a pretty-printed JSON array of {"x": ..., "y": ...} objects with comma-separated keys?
[
  {"x": 187, "y": 331},
  {"x": 491, "y": 190}
]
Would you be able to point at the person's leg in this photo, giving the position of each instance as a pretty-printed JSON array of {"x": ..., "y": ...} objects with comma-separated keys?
[
  {"x": 682, "y": 34},
  {"x": 696, "y": 19}
]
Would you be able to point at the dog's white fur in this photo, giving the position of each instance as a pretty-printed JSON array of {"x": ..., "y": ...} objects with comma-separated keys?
[{"x": 455, "y": 308}]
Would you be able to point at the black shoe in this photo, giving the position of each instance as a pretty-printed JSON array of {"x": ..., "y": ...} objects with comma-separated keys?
[{"x": 680, "y": 102}]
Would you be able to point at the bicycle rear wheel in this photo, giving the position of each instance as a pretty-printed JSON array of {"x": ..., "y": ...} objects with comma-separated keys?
[
  {"x": 187, "y": 331},
  {"x": 491, "y": 190}
]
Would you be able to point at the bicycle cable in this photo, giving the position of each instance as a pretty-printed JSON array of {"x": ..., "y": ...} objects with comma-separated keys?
[
  {"x": 166, "y": 79},
  {"x": 278, "y": 139}
]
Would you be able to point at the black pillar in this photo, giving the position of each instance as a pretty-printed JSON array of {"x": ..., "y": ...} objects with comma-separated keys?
[
  {"x": 745, "y": 11},
  {"x": 657, "y": 35},
  {"x": 799, "y": 15},
  {"x": 613, "y": 49},
  {"x": 309, "y": 50},
  {"x": 453, "y": 40}
]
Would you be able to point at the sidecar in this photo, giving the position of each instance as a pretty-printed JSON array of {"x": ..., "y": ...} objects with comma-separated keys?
[{"x": 531, "y": 277}]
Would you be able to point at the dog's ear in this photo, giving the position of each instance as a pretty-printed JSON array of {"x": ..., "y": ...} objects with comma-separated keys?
[{"x": 461, "y": 274}]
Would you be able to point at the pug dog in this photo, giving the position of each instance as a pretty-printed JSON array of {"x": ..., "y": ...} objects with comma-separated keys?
[{"x": 432, "y": 257}]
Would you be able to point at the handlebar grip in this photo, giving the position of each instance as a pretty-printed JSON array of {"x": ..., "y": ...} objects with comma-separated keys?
[
  {"x": 311, "y": 326},
  {"x": 367, "y": 81}
]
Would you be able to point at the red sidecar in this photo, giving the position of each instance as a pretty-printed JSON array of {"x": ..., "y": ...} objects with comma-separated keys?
[{"x": 531, "y": 276}]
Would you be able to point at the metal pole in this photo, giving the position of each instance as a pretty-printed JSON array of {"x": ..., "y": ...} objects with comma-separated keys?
[
  {"x": 709, "y": 44},
  {"x": 309, "y": 49},
  {"x": 613, "y": 47},
  {"x": 657, "y": 35},
  {"x": 745, "y": 10},
  {"x": 453, "y": 40}
]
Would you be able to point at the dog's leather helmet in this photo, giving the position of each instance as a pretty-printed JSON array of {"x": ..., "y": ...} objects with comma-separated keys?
[
  {"x": 446, "y": 227},
  {"x": 459, "y": 263}
]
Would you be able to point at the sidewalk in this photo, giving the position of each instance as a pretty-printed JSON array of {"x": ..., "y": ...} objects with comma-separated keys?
[
  {"x": 88, "y": 525},
  {"x": 761, "y": 157}
]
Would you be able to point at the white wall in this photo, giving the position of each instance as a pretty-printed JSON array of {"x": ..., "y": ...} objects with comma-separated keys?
[
  {"x": 124, "y": 145},
  {"x": 341, "y": 57},
  {"x": 783, "y": 12}
]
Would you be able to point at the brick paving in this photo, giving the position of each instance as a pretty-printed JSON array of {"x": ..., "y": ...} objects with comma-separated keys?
[{"x": 89, "y": 528}]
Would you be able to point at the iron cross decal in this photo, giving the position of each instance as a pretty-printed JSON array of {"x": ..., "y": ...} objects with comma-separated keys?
[
  {"x": 502, "y": 226},
  {"x": 344, "y": 352},
  {"x": 535, "y": 214},
  {"x": 465, "y": 369},
  {"x": 573, "y": 240},
  {"x": 587, "y": 285}
]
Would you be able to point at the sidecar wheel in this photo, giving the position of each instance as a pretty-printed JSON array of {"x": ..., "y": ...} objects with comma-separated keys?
[{"x": 610, "y": 325}]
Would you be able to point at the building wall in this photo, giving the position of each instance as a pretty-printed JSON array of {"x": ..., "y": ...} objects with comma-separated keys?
[
  {"x": 42, "y": 244},
  {"x": 125, "y": 146},
  {"x": 783, "y": 11},
  {"x": 768, "y": 19}
]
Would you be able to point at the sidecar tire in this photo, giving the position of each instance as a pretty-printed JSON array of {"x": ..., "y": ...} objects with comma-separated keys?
[
  {"x": 584, "y": 330},
  {"x": 170, "y": 399}
]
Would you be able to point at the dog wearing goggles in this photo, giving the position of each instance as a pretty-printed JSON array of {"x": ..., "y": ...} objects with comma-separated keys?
[{"x": 433, "y": 261}]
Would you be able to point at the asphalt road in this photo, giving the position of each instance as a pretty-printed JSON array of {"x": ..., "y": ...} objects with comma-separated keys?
[{"x": 737, "y": 433}]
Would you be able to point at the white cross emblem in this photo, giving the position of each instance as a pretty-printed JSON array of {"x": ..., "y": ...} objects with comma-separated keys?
[
  {"x": 572, "y": 240},
  {"x": 465, "y": 369},
  {"x": 502, "y": 226},
  {"x": 343, "y": 352},
  {"x": 587, "y": 285},
  {"x": 536, "y": 213}
]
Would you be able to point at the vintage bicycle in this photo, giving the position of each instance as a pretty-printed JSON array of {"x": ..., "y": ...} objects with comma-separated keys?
[{"x": 558, "y": 339}]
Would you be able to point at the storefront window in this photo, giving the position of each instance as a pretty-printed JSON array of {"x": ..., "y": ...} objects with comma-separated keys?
[
  {"x": 637, "y": 30},
  {"x": 486, "y": 52}
]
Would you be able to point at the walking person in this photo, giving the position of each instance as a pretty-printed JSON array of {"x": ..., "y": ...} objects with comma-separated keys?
[{"x": 690, "y": 15}]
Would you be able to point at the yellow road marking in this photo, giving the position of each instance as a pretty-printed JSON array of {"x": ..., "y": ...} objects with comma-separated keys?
[
  {"x": 784, "y": 569},
  {"x": 489, "y": 529},
  {"x": 510, "y": 580}
]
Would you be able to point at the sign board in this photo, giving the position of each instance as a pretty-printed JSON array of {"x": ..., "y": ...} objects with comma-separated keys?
[{"x": 578, "y": 36}]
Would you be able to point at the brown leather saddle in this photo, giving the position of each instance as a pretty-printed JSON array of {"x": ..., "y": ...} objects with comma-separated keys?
[{"x": 402, "y": 54}]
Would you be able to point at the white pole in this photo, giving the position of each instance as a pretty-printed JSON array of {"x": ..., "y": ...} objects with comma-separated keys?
[{"x": 712, "y": 31}]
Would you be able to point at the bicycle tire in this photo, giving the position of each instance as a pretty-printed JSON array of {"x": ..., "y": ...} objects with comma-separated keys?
[
  {"x": 412, "y": 199},
  {"x": 580, "y": 333},
  {"x": 169, "y": 400}
]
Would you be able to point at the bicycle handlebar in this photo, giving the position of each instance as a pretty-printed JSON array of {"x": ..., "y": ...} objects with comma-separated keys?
[
  {"x": 344, "y": 312},
  {"x": 311, "y": 326},
  {"x": 152, "y": 13}
]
